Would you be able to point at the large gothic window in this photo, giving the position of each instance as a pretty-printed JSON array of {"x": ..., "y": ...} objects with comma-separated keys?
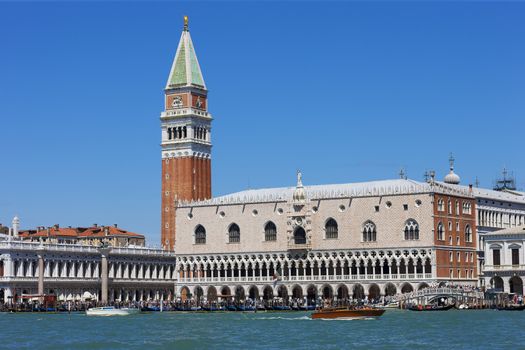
[
  {"x": 441, "y": 232},
  {"x": 270, "y": 232},
  {"x": 468, "y": 234},
  {"x": 299, "y": 236},
  {"x": 331, "y": 229},
  {"x": 369, "y": 232},
  {"x": 200, "y": 235},
  {"x": 234, "y": 234},
  {"x": 411, "y": 230}
]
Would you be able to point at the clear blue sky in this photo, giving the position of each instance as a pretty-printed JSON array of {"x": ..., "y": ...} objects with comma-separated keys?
[{"x": 344, "y": 91}]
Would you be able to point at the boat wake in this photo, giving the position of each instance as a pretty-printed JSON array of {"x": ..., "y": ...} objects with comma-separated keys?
[
  {"x": 348, "y": 319},
  {"x": 283, "y": 318}
]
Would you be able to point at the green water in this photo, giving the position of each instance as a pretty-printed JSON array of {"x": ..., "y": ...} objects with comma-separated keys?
[{"x": 396, "y": 329}]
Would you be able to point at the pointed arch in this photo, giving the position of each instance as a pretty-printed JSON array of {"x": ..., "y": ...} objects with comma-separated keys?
[
  {"x": 411, "y": 230},
  {"x": 440, "y": 232},
  {"x": 270, "y": 231},
  {"x": 299, "y": 235},
  {"x": 369, "y": 231},
  {"x": 234, "y": 233},
  {"x": 331, "y": 229},
  {"x": 200, "y": 234},
  {"x": 468, "y": 233}
]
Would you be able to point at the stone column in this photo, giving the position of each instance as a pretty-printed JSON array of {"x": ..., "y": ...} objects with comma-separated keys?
[
  {"x": 104, "y": 252},
  {"x": 40, "y": 274},
  {"x": 40, "y": 255}
]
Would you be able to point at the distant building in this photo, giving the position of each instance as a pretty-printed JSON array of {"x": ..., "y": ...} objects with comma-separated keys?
[
  {"x": 496, "y": 209},
  {"x": 73, "y": 272},
  {"x": 504, "y": 268},
  {"x": 72, "y": 262},
  {"x": 94, "y": 236},
  {"x": 4, "y": 230}
]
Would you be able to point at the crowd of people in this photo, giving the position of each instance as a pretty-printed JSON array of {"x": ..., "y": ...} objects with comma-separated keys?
[{"x": 236, "y": 304}]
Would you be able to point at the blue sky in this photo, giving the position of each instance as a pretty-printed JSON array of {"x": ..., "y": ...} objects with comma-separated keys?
[{"x": 344, "y": 91}]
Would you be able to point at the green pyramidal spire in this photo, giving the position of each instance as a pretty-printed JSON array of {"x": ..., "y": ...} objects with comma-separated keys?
[{"x": 185, "y": 70}]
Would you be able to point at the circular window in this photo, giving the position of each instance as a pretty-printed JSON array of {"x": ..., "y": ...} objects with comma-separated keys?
[
  {"x": 280, "y": 211},
  {"x": 221, "y": 214},
  {"x": 190, "y": 216},
  {"x": 388, "y": 204},
  {"x": 418, "y": 202},
  {"x": 255, "y": 212},
  {"x": 315, "y": 209},
  {"x": 342, "y": 208}
]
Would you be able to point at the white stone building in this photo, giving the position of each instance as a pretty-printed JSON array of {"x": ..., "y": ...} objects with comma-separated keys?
[
  {"x": 362, "y": 239},
  {"x": 73, "y": 272},
  {"x": 504, "y": 268}
]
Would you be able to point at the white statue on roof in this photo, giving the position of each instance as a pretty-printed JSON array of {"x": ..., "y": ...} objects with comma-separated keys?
[
  {"x": 16, "y": 226},
  {"x": 299, "y": 195}
]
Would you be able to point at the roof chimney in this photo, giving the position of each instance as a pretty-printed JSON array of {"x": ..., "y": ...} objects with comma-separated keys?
[
  {"x": 56, "y": 226},
  {"x": 470, "y": 188},
  {"x": 106, "y": 231},
  {"x": 115, "y": 225},
  {"x": 95, "y": 225}
]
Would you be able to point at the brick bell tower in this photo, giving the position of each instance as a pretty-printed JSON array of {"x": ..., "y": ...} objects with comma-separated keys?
[{"x": 186, "y": 136}]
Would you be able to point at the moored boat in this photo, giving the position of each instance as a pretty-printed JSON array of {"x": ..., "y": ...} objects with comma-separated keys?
[
  {"x": 347, "y": 313},
  {"x": 431, "y": 307},
  {"x": 512, "y": 308},
  {"x": 151, "y": 308},
  {"x": 111, "y": 311},
  {"x": 281, "y": 308}
]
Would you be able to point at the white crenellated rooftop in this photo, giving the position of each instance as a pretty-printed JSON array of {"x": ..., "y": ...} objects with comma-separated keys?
[
  {"x": 358, "y": 189},
  {"x": 504, "y": 196}
]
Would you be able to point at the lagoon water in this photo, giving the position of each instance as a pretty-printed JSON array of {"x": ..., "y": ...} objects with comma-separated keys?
[{"x": 470, "y": 329}]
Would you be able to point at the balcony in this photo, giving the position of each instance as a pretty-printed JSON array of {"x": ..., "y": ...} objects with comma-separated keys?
[
  {"x": 182, "y": 112},
  {"x": 299, "y": 246},
  {"x": 488, "y": 268},
  {"x": 307, "y": 278}
]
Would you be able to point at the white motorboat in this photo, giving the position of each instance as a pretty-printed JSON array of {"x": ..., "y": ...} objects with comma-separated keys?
[
  {"x": 391, "y": 305},
  {"x": 111, "y": 311}
]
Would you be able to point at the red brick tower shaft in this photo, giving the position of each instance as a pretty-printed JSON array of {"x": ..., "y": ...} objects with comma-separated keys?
[{"x": 186, "y": 137}]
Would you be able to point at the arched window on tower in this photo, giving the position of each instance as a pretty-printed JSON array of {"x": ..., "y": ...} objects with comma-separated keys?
[
  {"x": 440, "y": 232},
  {"x": 369, "y": 232},
  {"x": 468, "y": 234},
  {"x": 270, "y": 232},
  {"x": 200, "y": 235},
  {"x": 185, "y": 132},
  {"x": 411, "y": 230},
  {"x": 331, "y": 229},
  {"x": 169, "y": 133},
  {"x": 234, "y": 233},
  {"x": 449, "y": 206}
]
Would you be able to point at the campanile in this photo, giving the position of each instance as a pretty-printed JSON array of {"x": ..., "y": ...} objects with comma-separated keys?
[{"x": 186, "y": 136}]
